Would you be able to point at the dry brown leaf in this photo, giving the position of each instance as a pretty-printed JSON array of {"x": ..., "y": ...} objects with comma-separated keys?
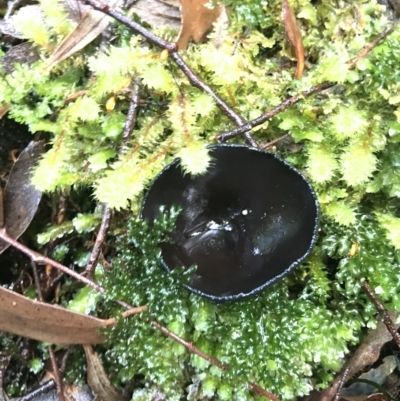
[
  {"x": 49, "y": 323},
  {"x": 21, "y": 199},
  {"x": 98, "y": 380},
  {"x": 197, "y": 21},
  {"x": 91, "y": 25},
  {"x": 366, "y": 354},
  {"x": 4, "y": 110},
  {"x": 294, "y": 35}
]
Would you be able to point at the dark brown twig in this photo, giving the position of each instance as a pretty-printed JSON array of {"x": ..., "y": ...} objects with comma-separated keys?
[
  {"x": 343, "y": 379},
  {"x": 56, "y": 372},
  {"x": 38, "y": 258},
  {"x": 105, "y": 221},
  {"x": 133, "y": 311},
  {"x": 37, "y": 281},
  {"x": 156, "y": 40},
  {"x": 223, "y": 136},
  {"x": 275, "y": 141},
  {"x": 174, "y": 55},
  {"x": 131, "y": 117},
  {"x": 370, "y": 46},
  {"x": 382, "y": 312},
  {"x": 65, "y": 357},
  {"x": 101, "y": 235},
  {"x": 198, "y": 83},
  {"x": 41, "y": 259},
  {"x": 190, "y": 346},
  {"x": 261, "y": 392},
  {"x": 44, "y": 388}
]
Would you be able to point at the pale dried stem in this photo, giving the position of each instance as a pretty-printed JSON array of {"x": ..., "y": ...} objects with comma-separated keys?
[{"x": 101, "y": 235}]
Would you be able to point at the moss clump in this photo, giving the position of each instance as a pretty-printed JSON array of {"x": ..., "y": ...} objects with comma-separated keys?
[{"x": 289, "y": 339}]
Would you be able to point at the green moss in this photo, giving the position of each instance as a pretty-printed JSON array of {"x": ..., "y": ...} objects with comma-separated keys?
[
  {"x": 293, "y": 336},
  {"x": 288, "y": 339}
]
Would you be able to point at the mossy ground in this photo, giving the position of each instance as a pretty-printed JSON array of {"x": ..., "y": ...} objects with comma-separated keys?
[{"x": 293, "y": 336}]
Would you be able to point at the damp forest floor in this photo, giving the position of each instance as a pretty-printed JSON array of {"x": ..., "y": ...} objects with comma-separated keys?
[{"x": 85, "y": 128}]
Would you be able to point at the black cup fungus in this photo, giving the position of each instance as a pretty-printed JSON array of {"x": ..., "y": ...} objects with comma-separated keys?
[{"x": 247, "y": 222}]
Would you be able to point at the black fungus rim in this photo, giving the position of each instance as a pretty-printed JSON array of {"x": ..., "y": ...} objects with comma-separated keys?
[{"x": 262, "y": 287}]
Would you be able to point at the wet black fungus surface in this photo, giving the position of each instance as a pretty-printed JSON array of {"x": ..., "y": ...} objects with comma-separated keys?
[{"x": 248, "y": 221}]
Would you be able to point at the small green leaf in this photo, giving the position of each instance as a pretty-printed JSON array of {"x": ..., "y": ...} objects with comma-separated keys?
[
  {"x": 98, "y": 161},
  {"x": 84, "y": 301},
  {"x": 36, "y": 365},
  {"x": 113, "y": 124},
  {"x": 311, "y": 133},
  {"x": 357, "y": 165},
  {"x": 341, "y": 213},
  {"x": 391, "y": 225},
  {"x": 54, "y": 232},
  {"x": 84, "y": 108},
  {"x": 86, "y": 222},
  {"x": 321, "y": 163}
]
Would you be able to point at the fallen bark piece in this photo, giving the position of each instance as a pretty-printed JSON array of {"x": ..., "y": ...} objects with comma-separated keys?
[{"x": 98, "y": 380}]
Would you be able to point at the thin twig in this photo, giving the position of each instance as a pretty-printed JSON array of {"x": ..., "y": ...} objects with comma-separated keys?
[
  {"x": 101, "y": 235},
  {"x": 106, "y": 9},
  {"x": 223, "y": 106},
  {"x": 56, "y": 372},
  {"x": 133, "y": 311},
  {"x": 174, "y": 55},
  {"x": 44, "y": 388},
  {"x": 223, "y": 136},
  {"x": 41, "y": 259},
  {"x": 261, "y": 392},
  {"x": 382, "y": 312},
  {"x": 190, "y": 346},
  {"x": 38, "y": 258},
  {"x": 275, "y": 141},
  {"x": 37, "y": 281},
  {"x": 341, "y": 383},
  {"x": 105, "y": 222},
  {"x": 131, "y": 117},
  {"x": 65, "y": 357},
  {"x": 44, "y": 260},
  {"x": 370, "y": 46}
]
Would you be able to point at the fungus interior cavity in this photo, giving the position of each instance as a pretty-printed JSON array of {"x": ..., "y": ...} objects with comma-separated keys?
[{"x": 245, "y": 223}]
